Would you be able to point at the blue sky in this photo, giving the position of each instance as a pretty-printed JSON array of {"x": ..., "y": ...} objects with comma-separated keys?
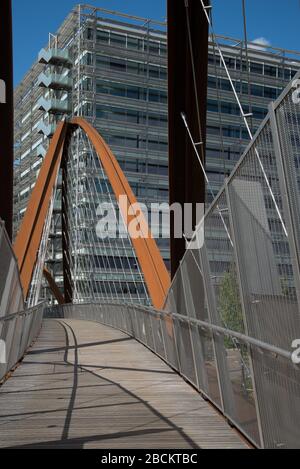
[{"x": 274, "y": 20}]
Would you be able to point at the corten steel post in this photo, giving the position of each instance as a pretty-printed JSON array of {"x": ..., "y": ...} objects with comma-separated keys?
[
  {"x": 187, "y": 183},
  {"x": 6, "y": 116}
]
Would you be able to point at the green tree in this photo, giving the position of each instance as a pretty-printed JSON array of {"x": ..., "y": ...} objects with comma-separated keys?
[{"x": 229, "y": 304}]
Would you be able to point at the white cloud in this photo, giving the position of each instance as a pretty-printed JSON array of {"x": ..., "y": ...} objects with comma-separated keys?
[{"x": 260, "y": 43}]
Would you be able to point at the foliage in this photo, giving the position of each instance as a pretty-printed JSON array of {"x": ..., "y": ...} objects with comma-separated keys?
[{"x": 229, "y": 304}]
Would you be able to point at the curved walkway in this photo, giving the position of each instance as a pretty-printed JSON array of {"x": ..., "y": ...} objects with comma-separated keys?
[{"x": 84, "y": 385}]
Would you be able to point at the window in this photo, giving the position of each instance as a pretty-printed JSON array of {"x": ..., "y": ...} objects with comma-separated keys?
[
  {"x": 101, "y": 113},
  {"x": 270, "y": 93},
  {"x": 133, "y": 67},
  {"x": 152, "y": 168},
  {"x": 103, "y": 88},
  {"x": 212, "y": 106},
  {"x": 118, "y": 64},
  {"x": 238, "y": 64},
  {"x": 259, "y": 113},
  {"x": 256, "y": 67},
  {"x": 90, "y": 34},
  {"x": 153, "y": 71},
  {"x": 153, "y": 47},
  {"x": 230, "y": 62},
  {"x": 103, "y": 36},
  {"x": 163, "y": 74},
  {"x": 257, "y": 90},
  {"x": 133, "y": 42},
  {"x": 118, "y": 115},
  {"x": 212, "y": 82},
  {"x": 131, "y": 166},
  {"x": 270, "y": 71},
  {"x": 118, "y": 40},
  {"x": 87, "y": 59},
  {"x": 163, "y": 49},
  {"x": 133, "y": 116},
  {"x": 154, "y": 96},
  {"x": 212, "y": 60},
  {"x": 132, "y": 92},
  {"x": 287, "y": 74},
  {"x": 163, "y": 97},
  {"x": 118, "y": 90},
  {"x": 103, "y": 61},
  {"x": 87, "y": 84}
]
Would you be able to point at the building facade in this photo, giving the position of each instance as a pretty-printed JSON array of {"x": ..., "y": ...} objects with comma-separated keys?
[{"x": 111, "y": 69}]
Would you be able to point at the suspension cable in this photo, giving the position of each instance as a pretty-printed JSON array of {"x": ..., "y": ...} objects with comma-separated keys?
[
  {"x": 201, "y": 143},
  {"x": 205, "y": 175},
  {"x": 244, "y": 116}
]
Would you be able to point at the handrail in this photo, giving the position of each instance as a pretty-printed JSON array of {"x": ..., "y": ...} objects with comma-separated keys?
[{"x": 24, "y": 312}]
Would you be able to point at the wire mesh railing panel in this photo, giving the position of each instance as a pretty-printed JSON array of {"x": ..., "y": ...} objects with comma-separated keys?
[
  {"x": 288, "y": 122},
  {"x": 168, "y": 329},
  {"x": 193, "y": 285},
  {"x": 11, "y": 295},
  {"x": 278, "y": 390},
  {"x": 17, "y": 332},
  {"x": 221, "y": 272},
  {"x": 15, "y": 342},
  {"x": 158, "y": 335},
  {"x": 185, "y": 350},
  {"x": 263, "y": 249},
  {"x": 226, "y": 309}
]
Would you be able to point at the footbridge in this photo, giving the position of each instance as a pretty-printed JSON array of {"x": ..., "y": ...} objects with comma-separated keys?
[
  {"x": 218, "y": 344},
  {"x": 86, "y": 385},
  {"x": 128, "y": 357}
]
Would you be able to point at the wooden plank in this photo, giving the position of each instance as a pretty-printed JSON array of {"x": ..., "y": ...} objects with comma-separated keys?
[{"x": 84, "y": 385}]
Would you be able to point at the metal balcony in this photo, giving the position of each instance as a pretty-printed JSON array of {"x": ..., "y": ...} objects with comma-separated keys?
[
  {"x": 47, "y": 130},
  {"x": 55, "y": 57},
  {"x": 54, "y": 81},
  {"x": 41, "y": 151},
  {"x": 54, "y": 106}
]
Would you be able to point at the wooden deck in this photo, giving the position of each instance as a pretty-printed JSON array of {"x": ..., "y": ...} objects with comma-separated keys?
[{"x": 84, "y": 385}]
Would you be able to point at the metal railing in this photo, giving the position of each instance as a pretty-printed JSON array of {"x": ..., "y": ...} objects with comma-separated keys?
[
  {"x": 17, "y": 332},
  {"x": 18, "y": 327},
  {"x": 11, "y": 293},
  {"x": 242, "y": 284},
  {"x": 232, "y": 312},
  {"x": 189, "y": 346}
]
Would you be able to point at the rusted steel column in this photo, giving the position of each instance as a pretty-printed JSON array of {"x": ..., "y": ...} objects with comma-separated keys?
[
  {"x": 187, "y": 183},
  {"x": 6, "y": 116}
]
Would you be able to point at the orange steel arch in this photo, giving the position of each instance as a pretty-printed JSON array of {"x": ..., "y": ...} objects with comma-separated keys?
[{"x": 29, "y": 237}]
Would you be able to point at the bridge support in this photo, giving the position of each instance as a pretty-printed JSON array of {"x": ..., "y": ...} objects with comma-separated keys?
[
  {"x": 187, "y": 67},
  {"x": 29, "y": 237}
]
